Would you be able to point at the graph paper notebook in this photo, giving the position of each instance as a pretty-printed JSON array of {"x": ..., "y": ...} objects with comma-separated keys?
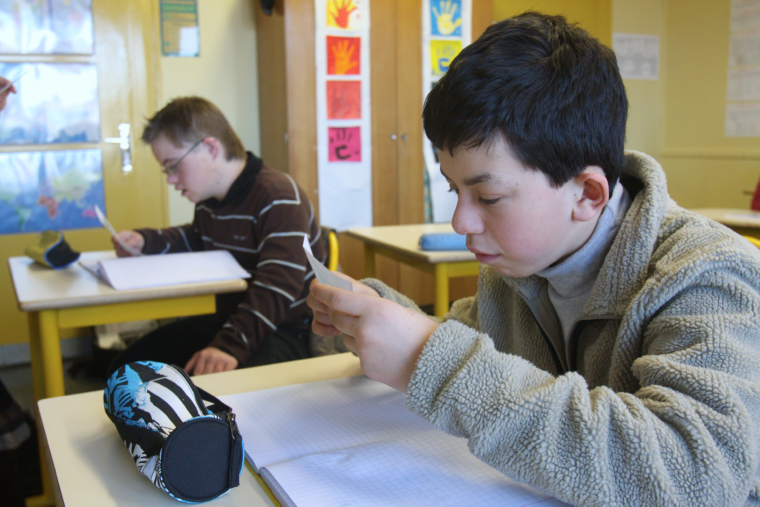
[{"x": 352, "y": 442}]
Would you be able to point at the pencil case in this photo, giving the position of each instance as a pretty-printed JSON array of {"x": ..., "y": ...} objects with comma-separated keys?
[
  {"x": 51, "y": 250},
  {"x": 184, "y": 440},
  {"x": 443, "y": 241}
]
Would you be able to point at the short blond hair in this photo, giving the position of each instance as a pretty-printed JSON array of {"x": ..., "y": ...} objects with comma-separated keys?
[{"x": 187, "y": 120}]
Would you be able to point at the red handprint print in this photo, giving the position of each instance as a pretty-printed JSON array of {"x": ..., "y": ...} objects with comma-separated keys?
[{"x": 338, "y": 12}]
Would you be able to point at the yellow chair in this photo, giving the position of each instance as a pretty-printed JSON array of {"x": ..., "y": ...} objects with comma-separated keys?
[
  {"x": 330, "y": 238},
  {"x": 752, "y": 240}
]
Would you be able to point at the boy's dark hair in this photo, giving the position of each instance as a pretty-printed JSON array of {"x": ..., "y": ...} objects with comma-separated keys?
[
  {"x": 187, "y": 120},
  {"x": 553, "y": 92}
]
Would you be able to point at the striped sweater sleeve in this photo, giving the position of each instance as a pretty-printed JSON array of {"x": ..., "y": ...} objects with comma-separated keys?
[
  {"x": 280, "y": 281},
  {"x": 183, "y": 238}
]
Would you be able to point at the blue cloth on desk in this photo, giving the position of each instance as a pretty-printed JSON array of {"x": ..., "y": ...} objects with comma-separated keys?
[{"x": 443, "y": 241}]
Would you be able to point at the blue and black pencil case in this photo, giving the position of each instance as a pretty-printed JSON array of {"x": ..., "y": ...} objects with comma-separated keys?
[{"x": 182, "y": 438}]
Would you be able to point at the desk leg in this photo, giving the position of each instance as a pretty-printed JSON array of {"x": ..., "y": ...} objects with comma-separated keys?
[
  {"x": 441, "y": 289},
  {"x": 50, "y": 354},
  {"x": 369, "y": 261},
  {"x": 38, "y": 382}
]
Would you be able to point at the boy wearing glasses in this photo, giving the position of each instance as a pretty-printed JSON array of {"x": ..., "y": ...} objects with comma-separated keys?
[
  {"x": 611, "y": 356},
  {"x": 259, "y": 215}
]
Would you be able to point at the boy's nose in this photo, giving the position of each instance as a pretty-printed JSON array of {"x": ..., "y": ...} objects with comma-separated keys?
[{"x": 465, "y": 220}]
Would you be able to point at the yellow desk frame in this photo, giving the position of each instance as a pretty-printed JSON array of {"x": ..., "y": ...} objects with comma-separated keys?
[{"x": 442, "y": 271}]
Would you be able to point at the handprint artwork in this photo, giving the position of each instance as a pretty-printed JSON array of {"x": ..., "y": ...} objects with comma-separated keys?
[
  {"x": 441, "y": 54},
  {"x": 446, "y": 17},
  {"x": 345, "y": 144},
  {"x": 343, "y": 55},
  {"x": 344, "y": 100},
  {"x": 343, "y": 14}
]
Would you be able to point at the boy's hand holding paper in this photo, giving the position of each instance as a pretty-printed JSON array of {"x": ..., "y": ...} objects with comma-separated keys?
[
  {"x": 387, "y": 337},
  {"x": 118, "y": 241}
]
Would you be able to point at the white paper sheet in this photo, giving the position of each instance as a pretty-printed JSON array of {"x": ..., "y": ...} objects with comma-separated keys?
[
  {"x": 145, "y": 271},
  {"x": 323, "y": 274},
  {"x": 103, "y": 220}
]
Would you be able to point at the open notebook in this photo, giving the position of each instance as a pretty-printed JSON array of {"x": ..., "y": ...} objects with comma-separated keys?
[
  {"x": 352, "y": 442},
  {"x": 146, "y": 271}
]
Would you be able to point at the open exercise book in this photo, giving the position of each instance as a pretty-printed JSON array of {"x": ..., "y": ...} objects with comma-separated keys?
[
  {"x": 352, "y": 442},
  {"x": 169, "y": 269}
]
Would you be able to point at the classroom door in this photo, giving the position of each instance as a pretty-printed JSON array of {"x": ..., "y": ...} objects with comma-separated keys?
[{"x": 126, "y": 56}]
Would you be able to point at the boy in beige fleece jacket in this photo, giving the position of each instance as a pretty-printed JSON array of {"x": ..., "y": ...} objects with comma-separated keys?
[{"x": 612, "y": 353}]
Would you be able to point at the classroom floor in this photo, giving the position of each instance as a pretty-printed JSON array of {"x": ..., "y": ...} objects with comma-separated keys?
[{"x": 18, "y": 380}]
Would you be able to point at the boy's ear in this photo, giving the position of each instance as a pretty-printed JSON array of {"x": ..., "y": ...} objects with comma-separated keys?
[
  {"x": 595, "y": 193},
  {"x": 213, "y": 145}
]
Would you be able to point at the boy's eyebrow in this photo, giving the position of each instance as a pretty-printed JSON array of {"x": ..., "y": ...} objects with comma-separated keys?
[{"x": 480, "y": 178}]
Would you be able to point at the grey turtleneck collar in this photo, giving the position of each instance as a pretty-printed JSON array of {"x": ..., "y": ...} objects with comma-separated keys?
[{"x": 569, "y": 283}]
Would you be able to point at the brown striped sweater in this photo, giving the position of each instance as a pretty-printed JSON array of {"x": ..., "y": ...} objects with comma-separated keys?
[{"x": 261, "y": 221}]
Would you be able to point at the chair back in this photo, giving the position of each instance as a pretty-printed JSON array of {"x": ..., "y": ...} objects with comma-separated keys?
[{"x": 330, "y": 239}]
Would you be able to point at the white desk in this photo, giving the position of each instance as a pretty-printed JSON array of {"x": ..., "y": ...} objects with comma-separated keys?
[
  {"x": 743, "y": 221},
  {"x": 91, "y": 467},
  {"x": 401, "y": 243},
  {"x": 71, "y": 297}
]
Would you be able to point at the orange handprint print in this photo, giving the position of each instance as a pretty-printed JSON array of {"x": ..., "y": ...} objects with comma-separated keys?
[
  {"x": 447, "y": 19},
  {"x": 343, "y": 55},
  {"x": 343, "y": 14}
]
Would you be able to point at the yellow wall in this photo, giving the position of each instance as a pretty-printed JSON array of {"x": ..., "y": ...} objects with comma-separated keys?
[
  {"x": 642, "y": 17},
  {"x": 225, "y": 73},
  {"x": 593, "y": 15},
  {"x": 704, "y": 168}
]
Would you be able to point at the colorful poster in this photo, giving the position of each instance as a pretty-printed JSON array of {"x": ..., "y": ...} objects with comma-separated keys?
[
  {"x": 344, "y": 100},
  {"x": 345, "y": 144},
  {"x": 344, "y": 14},
  {"x": 441, "y": 54},
  {"x": 46, "y": 27},
  {"x": 446, "y": 29},
  {"x": 446, "y": 17},
  {"x": 343, "y": 56},
  {"x": 180, "y": 35},
  {"x": 344, "y": 153},
  {"x": 50, "y": 190},
  {"x": 55, "y": 103}
]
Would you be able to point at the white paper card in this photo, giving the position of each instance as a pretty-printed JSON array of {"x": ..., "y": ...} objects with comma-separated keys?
[
  {"x": 323, "y": 274},
  {"x": 104, "y": 221}
]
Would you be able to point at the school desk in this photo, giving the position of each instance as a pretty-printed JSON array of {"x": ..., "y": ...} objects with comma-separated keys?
[
  {"x": 91, "y": 467},
  {"x": 401, "y": 243},
  {"x": 743, "y": 221},
  {"x": 58, "y": 299}
]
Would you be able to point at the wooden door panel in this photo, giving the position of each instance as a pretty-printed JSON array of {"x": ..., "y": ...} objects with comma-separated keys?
[{"x": 126, "y": 56}]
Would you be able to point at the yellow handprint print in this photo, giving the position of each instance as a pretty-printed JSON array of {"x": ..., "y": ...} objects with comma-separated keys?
[
  {"x": 444, "y": 18},
  {"x": 344, "y": 60},
  {"x": 441, "y": 54}
]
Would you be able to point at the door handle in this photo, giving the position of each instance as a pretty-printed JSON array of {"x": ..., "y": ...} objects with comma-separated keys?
[{"x": 125, "y": 144}]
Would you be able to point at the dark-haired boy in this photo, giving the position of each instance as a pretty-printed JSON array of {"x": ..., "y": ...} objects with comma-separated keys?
[
  {"x": 259, "y": 215},
  {"x": 612, "y": 353}
]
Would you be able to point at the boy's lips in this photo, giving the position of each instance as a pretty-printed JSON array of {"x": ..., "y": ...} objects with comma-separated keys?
[{"x": 482, "y": 257}]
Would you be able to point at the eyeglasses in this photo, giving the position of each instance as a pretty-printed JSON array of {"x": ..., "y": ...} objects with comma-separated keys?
[{"x": 171, "y": 170}]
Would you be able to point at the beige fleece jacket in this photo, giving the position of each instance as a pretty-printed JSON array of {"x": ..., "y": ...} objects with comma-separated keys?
[{"x": 662, "y": 403}]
